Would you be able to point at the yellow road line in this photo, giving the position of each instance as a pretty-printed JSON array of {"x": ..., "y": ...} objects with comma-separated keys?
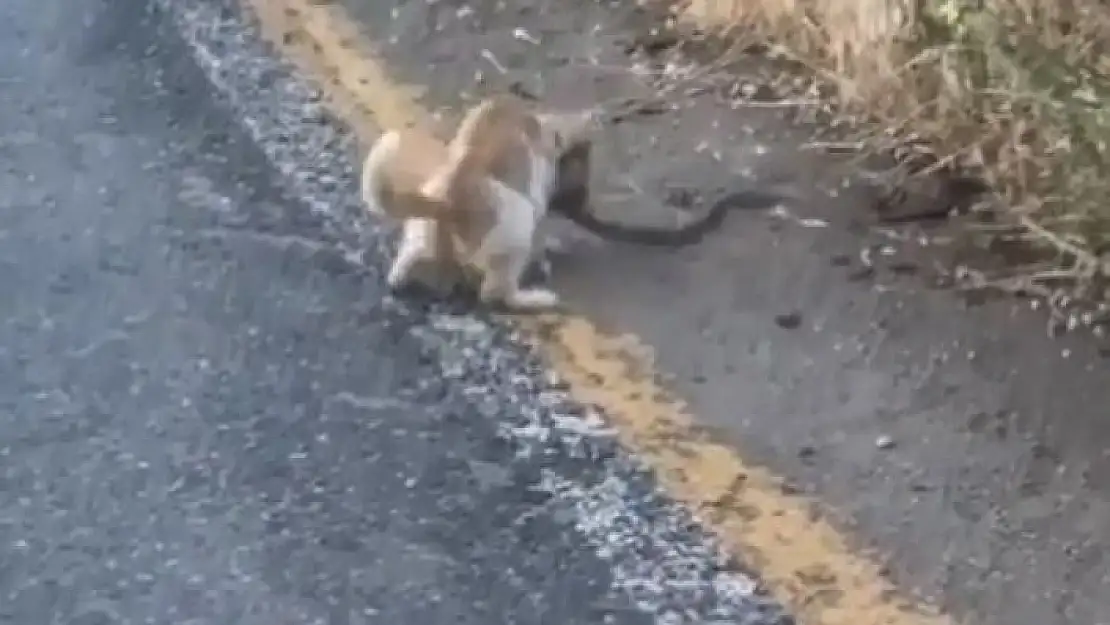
[{"x": 807, "y": 564}]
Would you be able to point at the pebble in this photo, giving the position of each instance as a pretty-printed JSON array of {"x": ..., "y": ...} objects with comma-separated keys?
[{"x": 789, "y": 320}]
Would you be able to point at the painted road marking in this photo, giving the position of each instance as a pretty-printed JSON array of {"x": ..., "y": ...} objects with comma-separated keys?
[{"x": 808, "y": 565}]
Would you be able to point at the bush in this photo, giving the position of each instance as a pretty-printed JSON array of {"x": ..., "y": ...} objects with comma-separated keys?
[{"x": 1016, "y": 90}]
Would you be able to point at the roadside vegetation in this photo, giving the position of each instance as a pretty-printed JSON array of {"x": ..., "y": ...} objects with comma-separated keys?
[{"x": 1015, "y": 92}]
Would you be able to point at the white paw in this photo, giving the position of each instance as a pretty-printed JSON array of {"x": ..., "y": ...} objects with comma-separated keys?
[
  {"x": 399, "y": 275},
  {"x": 555, "y": 245},
  {"x": 395, "y": 280},
  {"x": 534, "y": 299},
  {"x": 543, "y": 266}
]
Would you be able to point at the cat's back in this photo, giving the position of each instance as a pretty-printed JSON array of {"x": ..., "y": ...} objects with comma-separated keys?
[{"x": 494, "y": 140}]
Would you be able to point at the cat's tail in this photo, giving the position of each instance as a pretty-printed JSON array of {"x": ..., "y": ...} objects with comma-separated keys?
[
  {"x": 397, "y": 166},
  {"x": 378, "y": 192}
]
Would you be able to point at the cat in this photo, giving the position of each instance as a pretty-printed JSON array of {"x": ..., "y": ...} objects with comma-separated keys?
[{"x": 476, "y": 202}]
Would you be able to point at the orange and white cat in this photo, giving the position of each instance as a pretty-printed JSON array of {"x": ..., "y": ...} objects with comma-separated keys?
[{"x": 479, "y": 200}]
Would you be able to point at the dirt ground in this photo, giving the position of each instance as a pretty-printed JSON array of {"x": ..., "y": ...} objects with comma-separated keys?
[{"x": 957, "y": 438}]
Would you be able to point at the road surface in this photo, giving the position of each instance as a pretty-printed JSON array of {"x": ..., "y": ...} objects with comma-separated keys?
[
  {"x": 211, "y": 412},
  {"x": 955, "y": 444}
]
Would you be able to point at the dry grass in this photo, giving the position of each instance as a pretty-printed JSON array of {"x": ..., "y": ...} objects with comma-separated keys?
[{"x": 1017, "y": 91}]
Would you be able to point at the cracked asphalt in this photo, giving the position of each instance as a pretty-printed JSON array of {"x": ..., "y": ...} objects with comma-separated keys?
[{"x": 210, "y": 410}]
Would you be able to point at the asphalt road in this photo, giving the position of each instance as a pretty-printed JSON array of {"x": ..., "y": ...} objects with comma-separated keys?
[
  {"x": 955, "y": 438},
  {"x": 210, "y": 411}
]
